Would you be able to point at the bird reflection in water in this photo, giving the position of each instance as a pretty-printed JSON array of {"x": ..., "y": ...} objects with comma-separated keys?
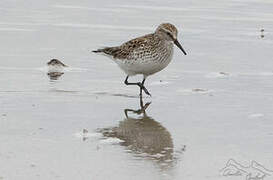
[
  {"x": 54, "y": 75},
  {"x": 143, "y": 136}
]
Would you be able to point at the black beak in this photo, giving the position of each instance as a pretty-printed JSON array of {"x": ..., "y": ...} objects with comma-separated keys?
[{"x": 179, "y": 46}]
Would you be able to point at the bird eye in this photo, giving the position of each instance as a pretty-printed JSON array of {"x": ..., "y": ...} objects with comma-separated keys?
[{"x": 169, "y": 34}]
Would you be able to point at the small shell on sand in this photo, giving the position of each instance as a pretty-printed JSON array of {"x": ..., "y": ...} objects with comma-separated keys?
[{"x": 53, "y": 62}]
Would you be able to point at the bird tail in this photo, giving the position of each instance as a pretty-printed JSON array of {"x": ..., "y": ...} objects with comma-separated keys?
[
  {"x": 112, "y": 51},
  {"x": 97, "y": 51}
]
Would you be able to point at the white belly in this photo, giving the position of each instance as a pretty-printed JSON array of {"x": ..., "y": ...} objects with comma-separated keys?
[{"x": 147, "y": 65}]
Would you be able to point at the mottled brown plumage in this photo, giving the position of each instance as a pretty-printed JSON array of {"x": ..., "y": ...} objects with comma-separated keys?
[
  {"x": 146, "y": 54},
  {"x": 135, "y": 47}
]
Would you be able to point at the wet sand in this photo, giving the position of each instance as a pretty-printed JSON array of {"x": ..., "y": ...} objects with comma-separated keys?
[{"x": 207, "y": 107}]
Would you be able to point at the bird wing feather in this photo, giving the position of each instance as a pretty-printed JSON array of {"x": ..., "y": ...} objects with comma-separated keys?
[{"x": 128, "y": 48}]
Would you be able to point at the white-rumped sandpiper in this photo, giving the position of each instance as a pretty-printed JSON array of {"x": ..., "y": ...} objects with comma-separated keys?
[{"x": 145, "y": 55}]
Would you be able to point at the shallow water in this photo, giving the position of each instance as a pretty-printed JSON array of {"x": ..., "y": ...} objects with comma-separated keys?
[{"x": 207, "y": 107}]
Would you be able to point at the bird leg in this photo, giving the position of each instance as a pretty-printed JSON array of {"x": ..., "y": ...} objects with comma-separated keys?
[
  {"x": 143, "y": 88},
  {"x": 140, "y": 84}
]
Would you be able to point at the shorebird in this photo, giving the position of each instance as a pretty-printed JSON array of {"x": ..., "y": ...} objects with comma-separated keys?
[{"x": 145, "y": 55}]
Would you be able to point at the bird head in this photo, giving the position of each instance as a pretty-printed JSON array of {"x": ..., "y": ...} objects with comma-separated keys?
[{"x": 169, "y": 33}]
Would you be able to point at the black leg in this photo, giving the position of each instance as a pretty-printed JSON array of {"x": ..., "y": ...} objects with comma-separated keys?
[
  {"x": 140, "y": 92},
  {"x": 141, "y": 86}
]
